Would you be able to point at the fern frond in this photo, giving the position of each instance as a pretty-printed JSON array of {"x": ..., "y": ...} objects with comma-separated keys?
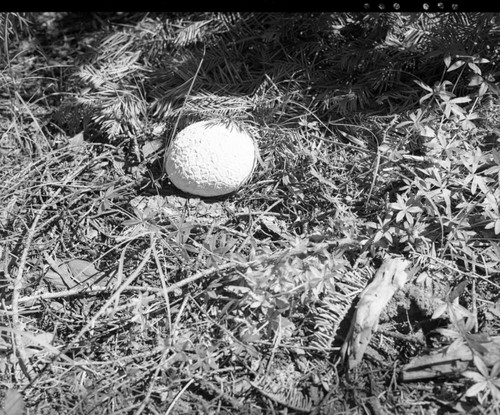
[
  {"x": 194, "y": 32},
  {"x": 211, "y": 104},
  {"x": 101, "y": 76},
  {"x": 340, "y": 63},
  {"x": 285, "y": 395},
  {"x": 329, "y": 312},
  {"x": 229, "y": 20},
  {"x": 12, "y": 24}
]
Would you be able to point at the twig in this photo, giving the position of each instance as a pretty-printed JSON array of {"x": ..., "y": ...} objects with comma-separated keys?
[
  {"x": 459, "y": 271},
  {"x": 119, "y": 274},
  {"x": 17, "y": 286},
  {"x": 474, "y": 306},
  {"x": 377, "y": 160},
  {"x": 401, "y": 336},
  {"x": 374, "y": 179},
  {"x": 276, "y": 343},
  {"x": 284, "y": 400},
  {"x": 164, "y": 288},
  {"x": 374, "y": 404},
  {"x": 177, "y": 397},
  {"x": 95, "y": 290},
  {"x": 93, "y": 320},
  {"x": 146, "y": 399},
  {"x": 220, "y": 393},
  {"x": 85, "y": 290},
  {"x": 17, "y": 283},
  {"x": 111, "y": 300}
]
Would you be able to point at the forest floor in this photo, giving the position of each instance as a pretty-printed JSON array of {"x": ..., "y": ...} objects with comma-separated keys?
[{"x": 123, "y": 295}]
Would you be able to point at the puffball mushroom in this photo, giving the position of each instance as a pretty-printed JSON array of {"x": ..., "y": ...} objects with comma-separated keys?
[{"x": 210, "y": 158}]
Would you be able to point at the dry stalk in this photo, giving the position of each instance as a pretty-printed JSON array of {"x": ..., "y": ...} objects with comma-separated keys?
[
  {"x": 17, "y": 286},
  {"x": 164, "y": 289},
  {"x": 94, "y": 290},
  {"x": 177, "y": 397},
  {"x": 17, "y": 282},
  {"x": 112, "y": 299},
  {"x": 146, "y": 399},
  {"x": 101, "y": 311}
]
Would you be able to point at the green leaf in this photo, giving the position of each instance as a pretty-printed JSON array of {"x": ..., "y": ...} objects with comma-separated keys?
[
  {"x": 378, "y": 236},
  {"x": 424, "y": 86},
  {"x": 481, "y": 60},
  {"x": 476, "y": 80},
  {"x": 456, "y": 65},
  {"x": 439, "y": 311},
  {"x": 447, "y": 60},
  {"x": 475, "y": 376},
  {"x": 474, "y": 67},
  {"x": 428, "y": 132},
  {"x": 409, "y": 219},
  {"x": 476, "y": 388},
  {"x": 414, "y": 209},
  {"x": 460, "y": 100},
  {"x": 495, "y": 370},
  {"x": 481, "y": 366},
  {"x": 483, "y": 89},
  {"x": 400, "y": 216},
  {"x": 478, "y": 181},
  {"x": 495, "y": 392}
]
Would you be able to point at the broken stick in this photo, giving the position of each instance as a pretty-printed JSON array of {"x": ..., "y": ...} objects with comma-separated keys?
[{"x": 390, "y": 277}]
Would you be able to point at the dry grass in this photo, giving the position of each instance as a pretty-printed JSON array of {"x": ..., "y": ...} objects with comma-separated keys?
[{"x": 120, "y": 295}]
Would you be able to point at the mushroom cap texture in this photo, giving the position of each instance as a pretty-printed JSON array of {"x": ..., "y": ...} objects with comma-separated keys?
[{"x": 209, "y": 158}]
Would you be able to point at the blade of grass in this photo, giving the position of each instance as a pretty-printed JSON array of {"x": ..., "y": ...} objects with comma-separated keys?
[
  {"x": 178, "y": 396},
  {"x": 164, "y": 289}
]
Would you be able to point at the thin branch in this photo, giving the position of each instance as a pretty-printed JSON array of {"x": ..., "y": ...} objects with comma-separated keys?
[
  {"x": 177, "y": 397},
  {"x": 18, "y": 285},
  {"x": 111, "y": 300},
  {"x": 146, "y": 398},
  {"x": 95, "y": 290},
  {"x": 18, "y": 280},
  {"x": 94, "y": 318}
]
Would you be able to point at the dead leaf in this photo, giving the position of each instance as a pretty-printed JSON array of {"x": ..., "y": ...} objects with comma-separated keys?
[
  {"x": 83, "y": 271},
  {"x": 59, "y": 280},
  {"x": 40, "y": 341},
  {"x": 457, "y": 291},
  {"x": 493, "y": 312},
  {"x": 77, "y": 143},
  {"x": 69, "y": 274},
  {"x": 273, "y": 225},
  {"x": 13, "y": 403},
  {"x": 152, "y": 147}
]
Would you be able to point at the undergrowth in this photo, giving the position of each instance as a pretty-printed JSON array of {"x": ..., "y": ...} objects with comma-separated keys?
[{"x": 378, "y": 136}]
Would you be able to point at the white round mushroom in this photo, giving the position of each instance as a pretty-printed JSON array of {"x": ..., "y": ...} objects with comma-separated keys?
[{"x": 210, "y": 158}]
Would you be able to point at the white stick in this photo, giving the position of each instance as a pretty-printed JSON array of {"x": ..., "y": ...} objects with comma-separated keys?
[{"x": 390, "y": 277}]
